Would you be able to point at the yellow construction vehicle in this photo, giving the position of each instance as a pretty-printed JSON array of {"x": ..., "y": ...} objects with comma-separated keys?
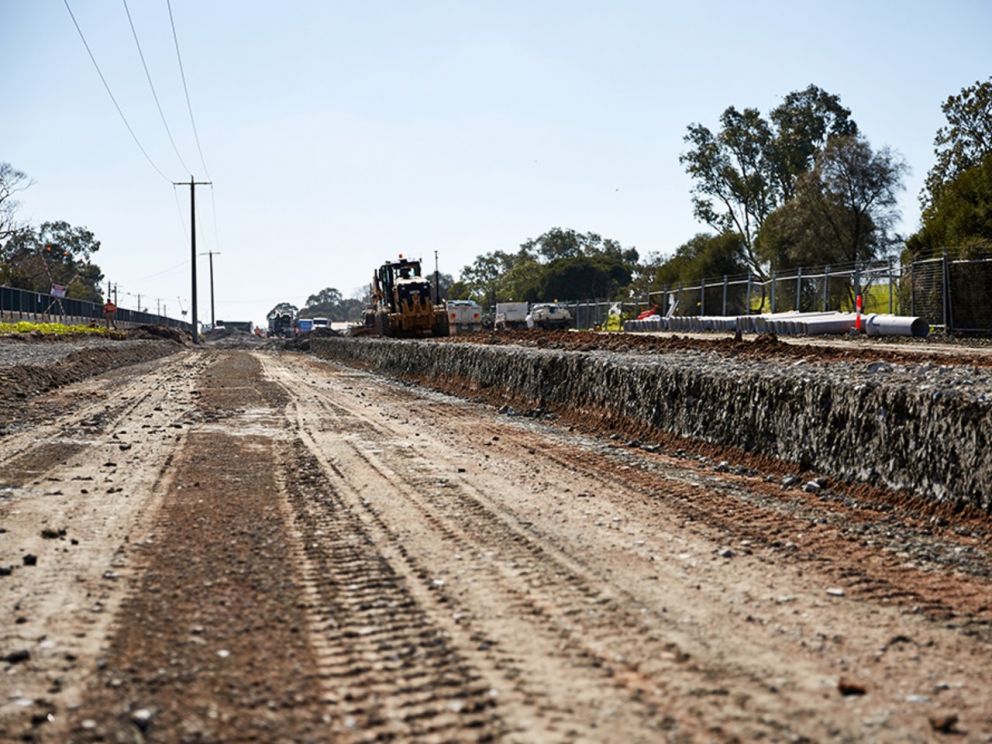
[{"x": 402, "y": 305}]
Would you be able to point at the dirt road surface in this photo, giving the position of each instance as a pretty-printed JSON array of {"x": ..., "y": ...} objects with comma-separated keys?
[{"x": 243, "y": 545}]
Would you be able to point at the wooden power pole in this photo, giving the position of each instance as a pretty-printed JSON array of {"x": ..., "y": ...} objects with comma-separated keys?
[{"x": 192, "y": 232}]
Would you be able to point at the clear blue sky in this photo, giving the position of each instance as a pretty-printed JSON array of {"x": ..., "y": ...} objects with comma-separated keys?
[{"x": 339, "y": 134}]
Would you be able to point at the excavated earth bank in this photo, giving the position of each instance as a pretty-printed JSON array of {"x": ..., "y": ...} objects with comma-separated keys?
[
  {"x": 920, "y": 427},
  {"x": 30, "y": 368}
]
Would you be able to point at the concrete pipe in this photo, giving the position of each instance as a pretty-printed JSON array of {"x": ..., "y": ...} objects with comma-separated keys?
[{"x": 839, "y": 323}]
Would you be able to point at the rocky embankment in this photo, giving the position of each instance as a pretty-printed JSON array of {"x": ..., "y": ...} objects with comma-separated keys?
[{"x": 924, "y": 428}]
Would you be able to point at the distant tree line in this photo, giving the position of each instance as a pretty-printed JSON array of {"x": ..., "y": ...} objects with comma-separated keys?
[{"x": 36, "y": 257}]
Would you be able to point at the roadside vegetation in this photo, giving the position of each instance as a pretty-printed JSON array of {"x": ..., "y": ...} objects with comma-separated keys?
[{"x": 57, "y": 329}]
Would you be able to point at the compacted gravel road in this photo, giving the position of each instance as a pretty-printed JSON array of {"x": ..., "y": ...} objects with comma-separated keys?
[{"x": 239, "y": 545}]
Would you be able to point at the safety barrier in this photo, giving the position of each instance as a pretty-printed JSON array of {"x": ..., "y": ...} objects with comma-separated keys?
[{"x": 20, "y": 304}]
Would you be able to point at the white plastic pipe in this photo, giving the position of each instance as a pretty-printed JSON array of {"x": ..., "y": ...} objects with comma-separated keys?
[{"x": 896, "y": 325}]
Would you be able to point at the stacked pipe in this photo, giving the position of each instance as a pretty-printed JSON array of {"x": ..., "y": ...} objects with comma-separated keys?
[{"x": 785, "y": 324}]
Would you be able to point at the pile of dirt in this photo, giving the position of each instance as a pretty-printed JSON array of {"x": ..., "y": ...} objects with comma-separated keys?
[
  {"x": 764, "y": 346},
  {"x": 229, "y": 338},
  {"x": 297, "y": 343},
  {"x": 160, "y": 332}
]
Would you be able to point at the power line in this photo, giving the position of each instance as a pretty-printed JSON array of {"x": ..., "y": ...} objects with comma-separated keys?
[
  {"x": 111, "y": 94},
  {"x": 179, "y": 211},
  {"x": 163, "y": 271},
  {"x": 189, "y": 105},
  {"x": 151, "y": 85}
]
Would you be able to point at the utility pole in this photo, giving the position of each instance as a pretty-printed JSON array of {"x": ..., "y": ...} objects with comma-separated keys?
[
  {"x": 211, "y": 254},
  {"x": 192, "y": 242},
  {"x": 115, "y": 293}
]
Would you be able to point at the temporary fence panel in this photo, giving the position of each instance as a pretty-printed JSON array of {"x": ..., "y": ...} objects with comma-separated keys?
[
  {"x": 969, "y": 286},
  {"x": 24, "y": 304}
]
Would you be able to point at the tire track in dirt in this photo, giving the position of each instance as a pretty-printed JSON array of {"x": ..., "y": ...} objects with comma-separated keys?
[
  {"x": 596, "y": 636},
  {"x": 700, "y": 502},
  {"x": 212, "y": 643},
  {"x": 80, "y": 518},
  {"x": 391, "y": 672}
]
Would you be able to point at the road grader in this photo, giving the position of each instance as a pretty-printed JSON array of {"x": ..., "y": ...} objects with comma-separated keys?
[{"x": 402, "y": 304}]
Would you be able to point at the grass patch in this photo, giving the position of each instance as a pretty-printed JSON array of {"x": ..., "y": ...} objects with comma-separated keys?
[{"x": 57, "y": 329}]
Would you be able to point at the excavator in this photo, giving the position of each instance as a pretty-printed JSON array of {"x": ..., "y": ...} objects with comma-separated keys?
[{"x": 402, "y": 304}]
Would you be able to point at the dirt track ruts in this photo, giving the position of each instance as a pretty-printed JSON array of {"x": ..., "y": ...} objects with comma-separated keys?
[{"x": 380, "y": 562}]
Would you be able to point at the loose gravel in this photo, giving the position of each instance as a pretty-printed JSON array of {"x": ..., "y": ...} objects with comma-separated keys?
[{"x": 15, "y": 352}]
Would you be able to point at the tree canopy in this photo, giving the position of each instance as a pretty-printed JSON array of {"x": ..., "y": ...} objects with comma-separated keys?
[
  {"x": 966, "y": 139},
  {"x": 12, "y": 181},
  {"x": 751, "y": 165},
  {"x": 283, "y": 308},
  {"x": 843, "y": 210},
  {"x": 957, "y": 197},
  {"x": 959, "y": 219},
  {"x": 703, "y": 255},
  {"x": 561, "y": 263},
  {"x": 55, "y": 252}
]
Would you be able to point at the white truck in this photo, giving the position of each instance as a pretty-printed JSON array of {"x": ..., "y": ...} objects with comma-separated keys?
[
  {"x": 549, "y": 316},
  {"x": 464, "y": 316},
  {"x": 511, "y": 315}
]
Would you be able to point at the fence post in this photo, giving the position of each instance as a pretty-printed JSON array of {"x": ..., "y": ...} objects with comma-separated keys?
[
  {"x": 748, "y": 293},
  {"x": 702, "y": 296},
  {"x": 948, "y": 310},
  {"x": 826, "y": 287},
  {"x": 773, "y": 291},
  {"x": 891, "y": 289},
  {"x": 724, "y": 313},
  {"x": 912, "y": 290},
  {"x": 799, "y": 287}
]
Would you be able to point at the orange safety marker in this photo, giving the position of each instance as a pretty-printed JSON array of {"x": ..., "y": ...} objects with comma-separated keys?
[{"x": 857, "y": 318}]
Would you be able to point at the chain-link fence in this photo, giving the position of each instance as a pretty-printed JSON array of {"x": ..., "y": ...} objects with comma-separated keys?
[
  {"x": 817, "y": 289},
  {"x": 20, "y": 304},
  {"x": 953, "y": 294}
]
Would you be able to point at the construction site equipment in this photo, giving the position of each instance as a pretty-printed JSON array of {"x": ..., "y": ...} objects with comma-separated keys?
[
  {"x": 550, "y": 316},
  {"x": 402, "y": 303},
  {"x": 464, "y": 316},
  {"x": 281, "y": 324},
  {"x": 511, "y": 315}
]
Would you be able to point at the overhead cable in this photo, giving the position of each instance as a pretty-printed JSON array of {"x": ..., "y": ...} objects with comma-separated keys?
[
  {"x": 151, "y": 85},
  {"x": 189, "y": 106},
  {"x": 111, "y": 94}
]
